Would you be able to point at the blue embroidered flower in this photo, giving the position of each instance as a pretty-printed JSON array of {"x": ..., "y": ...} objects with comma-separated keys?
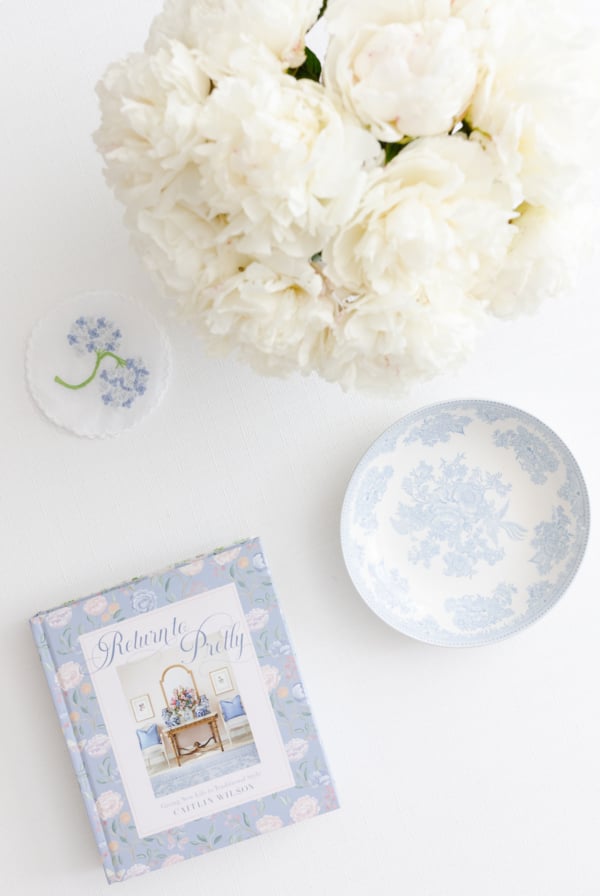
[
  {"x": 89, "y": 334},
  {"x": 121, "y": 386},
  {"x": 143, "y": 601},
  {"x": 128, "y": 378}
]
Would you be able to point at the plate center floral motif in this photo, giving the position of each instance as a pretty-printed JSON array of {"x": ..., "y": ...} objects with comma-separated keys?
[{"x": 457, "y": 513}]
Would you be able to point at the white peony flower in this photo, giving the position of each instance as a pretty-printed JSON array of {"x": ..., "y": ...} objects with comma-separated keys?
[
  {"x": 150, "y": 111},
  {"x": 272, "y": 314},
  {"x": 405, "y": 68},
  {"x": 542, "y": 261},
  {"x": 181, "y": 248},
  {"x": 262, "y": 206},
  {"x": 381, "y": 344},
  {"x": 408, "y": 273},
  {"x": 537, "y": 97},
  {"x": 279, "y": 164},
  {"x": 233, "y": 36},
  {"x": 474, "y": 12},
  {"x": 432, "y": 224}
]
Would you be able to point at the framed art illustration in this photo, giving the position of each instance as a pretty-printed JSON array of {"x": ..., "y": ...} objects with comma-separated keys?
[
  {"x": 221, "y": 681},
  {"x": 142, "y": 708}
]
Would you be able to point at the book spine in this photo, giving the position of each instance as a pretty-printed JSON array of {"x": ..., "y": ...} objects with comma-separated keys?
[{"x": 62, "y": 710}]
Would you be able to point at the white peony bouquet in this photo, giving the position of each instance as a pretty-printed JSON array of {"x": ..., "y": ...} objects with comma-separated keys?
[{"x": 359, "y": 216}]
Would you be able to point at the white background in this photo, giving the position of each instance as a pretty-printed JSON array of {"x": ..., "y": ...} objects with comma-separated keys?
[{"x": 461, "y": 773}]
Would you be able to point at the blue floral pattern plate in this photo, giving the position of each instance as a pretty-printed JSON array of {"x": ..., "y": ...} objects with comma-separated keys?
[{"x": 464, "y": 522}]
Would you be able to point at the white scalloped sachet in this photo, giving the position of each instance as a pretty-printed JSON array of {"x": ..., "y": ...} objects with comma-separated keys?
[{"x": 98, "y": 364}]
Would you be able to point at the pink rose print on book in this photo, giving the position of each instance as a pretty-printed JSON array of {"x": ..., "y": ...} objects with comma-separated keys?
[
  {"x": 97, "y": 746},
  {"x": 271, "y": 677},
  {"x": 137, "y": 871},
  {"x": 69, "y": 675},
  {"x": 269, "y": 823},
  {"x": 257, "y": 619},
  {"x": 296, "y": 749},
  {"x": 303, "y": 808},
  {"x": 194, "y": 568},
  {"x": 173, "y": 860},
  {"x": 109, "y": 804},
  {"x": 59, "y": 618},
  {"x": 96, "y": 606}
]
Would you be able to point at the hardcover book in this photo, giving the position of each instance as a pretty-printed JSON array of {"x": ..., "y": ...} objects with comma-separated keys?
[{"x": 184, "y": 711}]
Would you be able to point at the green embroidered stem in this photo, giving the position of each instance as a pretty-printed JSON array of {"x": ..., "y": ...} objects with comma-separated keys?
[{"x": 100, "y": 356}]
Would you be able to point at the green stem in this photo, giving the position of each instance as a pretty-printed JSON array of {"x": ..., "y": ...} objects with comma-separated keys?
[{"x": 100, "y": 356}]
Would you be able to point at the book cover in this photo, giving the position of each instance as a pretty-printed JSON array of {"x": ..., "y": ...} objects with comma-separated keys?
[{"x": 184, "y": 712}]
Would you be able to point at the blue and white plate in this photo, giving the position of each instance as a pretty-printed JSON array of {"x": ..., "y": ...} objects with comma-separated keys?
[{"x": 464, "y": 522}]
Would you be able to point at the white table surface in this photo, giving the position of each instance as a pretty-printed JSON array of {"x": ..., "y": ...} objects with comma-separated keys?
[{"x": 480, "y": 775}]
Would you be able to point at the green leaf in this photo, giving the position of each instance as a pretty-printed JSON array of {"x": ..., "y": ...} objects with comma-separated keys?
[
  {"x": 310, "y": 68},
  {"x": 391, "y": 151},
  {"x": 323, "y": 8}
]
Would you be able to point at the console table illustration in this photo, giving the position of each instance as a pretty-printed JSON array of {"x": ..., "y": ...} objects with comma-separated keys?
[{"x": 186, "y": 739}]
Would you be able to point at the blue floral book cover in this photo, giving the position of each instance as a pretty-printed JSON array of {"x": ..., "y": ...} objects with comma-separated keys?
[{"x": 184, "y": 712}]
